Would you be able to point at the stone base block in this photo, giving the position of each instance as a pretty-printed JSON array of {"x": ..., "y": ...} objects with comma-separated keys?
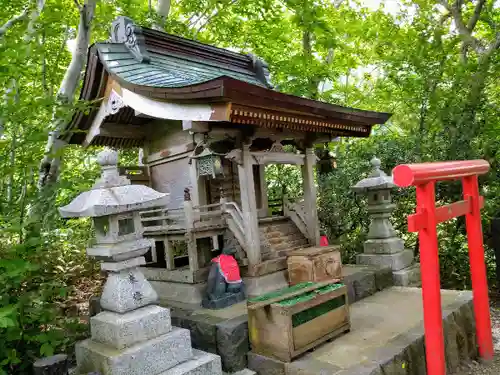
[
  {"x": 409, "y": 276},
  {"x": 396, "y": 261},
  {"x": 241, "y": 372},
  {"x": 124, "y": 330},
  {"x": 258, "y": 285},
  {"x": 201, "y": 364},
  {"x": 364, "y": 281},
  {"x": 226, "y": 300},
  {"x": 127, "y": 290},
  {"x": 179, "y": 292},
  {"x": 263, "y": 365},
  {"x": 151, "y": 357},
  {"x": 384, "y": 246}
]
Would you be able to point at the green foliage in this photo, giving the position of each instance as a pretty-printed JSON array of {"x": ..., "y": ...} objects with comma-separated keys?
[{"x": 443, "y": 93}]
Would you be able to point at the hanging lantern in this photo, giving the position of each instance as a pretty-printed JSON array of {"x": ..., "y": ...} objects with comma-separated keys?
[{"x": 209, "y": 163}]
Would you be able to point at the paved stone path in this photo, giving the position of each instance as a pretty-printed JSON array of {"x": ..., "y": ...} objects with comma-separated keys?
[{"x": 493, "y": 368}]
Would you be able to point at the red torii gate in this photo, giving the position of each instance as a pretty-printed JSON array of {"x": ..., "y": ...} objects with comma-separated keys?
[{"x": 424, "y": 177}]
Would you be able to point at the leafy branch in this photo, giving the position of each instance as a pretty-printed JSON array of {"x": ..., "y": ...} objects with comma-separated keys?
[
  {"x": 466, "y": 28},
  {"x": 15, "y": 19}
]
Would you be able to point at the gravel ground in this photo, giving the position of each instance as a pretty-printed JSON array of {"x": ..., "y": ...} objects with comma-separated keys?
[{"x": 493, "y": 368}]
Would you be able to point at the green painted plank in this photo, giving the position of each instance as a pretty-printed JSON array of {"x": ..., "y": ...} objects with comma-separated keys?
[
  {"x": 309, "y": 295},
  {"x": 321, "y": 309},
  {"x": 281, "y": 292}
]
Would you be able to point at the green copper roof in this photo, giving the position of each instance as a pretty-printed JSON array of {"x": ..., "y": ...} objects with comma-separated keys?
[{"x": 166, "y": 71}]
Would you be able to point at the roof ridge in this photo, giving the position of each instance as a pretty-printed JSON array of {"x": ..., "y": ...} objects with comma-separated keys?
[{"x": 139, "y": 40}]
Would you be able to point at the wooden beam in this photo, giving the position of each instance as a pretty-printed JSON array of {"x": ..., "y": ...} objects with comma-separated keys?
[
  {"x": 266, "y": 157},
  {"x": 196, "y": 126},
  {"x": 96, "y": 124},
  {"x": 109, "y": 129},
  {"x": 418, "y": 221}
]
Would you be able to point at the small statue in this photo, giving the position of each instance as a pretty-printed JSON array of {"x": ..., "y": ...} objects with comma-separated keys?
[
  {"x": 323, "y": 240},
  {"x": 187, "y": 194},
  {"x": 225, "y": 286}
]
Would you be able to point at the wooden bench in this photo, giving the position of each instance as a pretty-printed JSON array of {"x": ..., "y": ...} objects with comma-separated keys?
[{"x": 288, "y": 322}]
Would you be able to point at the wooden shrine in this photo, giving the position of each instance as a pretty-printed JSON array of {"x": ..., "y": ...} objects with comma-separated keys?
[{"x": 209, "y": 122}]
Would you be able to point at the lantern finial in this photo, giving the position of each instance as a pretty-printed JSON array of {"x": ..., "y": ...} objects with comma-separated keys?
[
  {"x": 107, "y": 157},
  {"x": 376, "y": 172},
  {"x": 375, "y": 162},
  {"x": 108, "y": 160}
]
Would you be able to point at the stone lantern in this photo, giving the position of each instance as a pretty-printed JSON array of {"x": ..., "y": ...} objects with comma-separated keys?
[
  {"x": 383, "y": 246},
  {"x": 132, "y": 335}
]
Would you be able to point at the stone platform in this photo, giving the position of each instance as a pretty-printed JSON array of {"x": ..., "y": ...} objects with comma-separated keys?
[
  {"x": 225, "y": 331},
  {"x": 193, "y": 294},
  {"x": 387, "y": 337}
]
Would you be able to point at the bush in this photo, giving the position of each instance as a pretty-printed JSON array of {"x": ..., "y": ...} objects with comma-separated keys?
[
  {"x": 38, "y": 280},
  {"x": 344, "y": 215}
]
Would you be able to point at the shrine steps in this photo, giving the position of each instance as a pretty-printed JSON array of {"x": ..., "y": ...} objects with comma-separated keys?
[
  {"x": 278, "y": 237},
  {"x": 386, "y": 337}
]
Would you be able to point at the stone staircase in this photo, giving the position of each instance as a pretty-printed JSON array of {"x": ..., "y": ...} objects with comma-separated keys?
[{"x": 278, "y": 237}]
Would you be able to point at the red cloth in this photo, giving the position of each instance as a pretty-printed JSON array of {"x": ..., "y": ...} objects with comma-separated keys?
[
  {"x": 323, "y": 241},
  {"x": 229, "y": 268}
]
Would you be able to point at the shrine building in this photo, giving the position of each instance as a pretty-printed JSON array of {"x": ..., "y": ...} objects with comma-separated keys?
[{"x": 209, "y": 122}]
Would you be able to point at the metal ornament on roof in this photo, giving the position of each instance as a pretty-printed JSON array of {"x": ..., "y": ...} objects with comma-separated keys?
[{"x": 208, "y": 163}]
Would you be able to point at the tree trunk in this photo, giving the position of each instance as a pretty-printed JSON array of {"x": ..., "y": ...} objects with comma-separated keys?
[
  {"x": 162, "y": 9},
  {"x": 49, "y": 166}
]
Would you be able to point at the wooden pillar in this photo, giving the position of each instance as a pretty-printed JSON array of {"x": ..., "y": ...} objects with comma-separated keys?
[
  {"x": 264, "y": 204},
  {"x": 309, "y": 188},
  {"x": 249, "y": 206},
  {"x": 190, "y": 238},
  {"x": 193, "y": 177},
  {"x": 169, "y": 254}
]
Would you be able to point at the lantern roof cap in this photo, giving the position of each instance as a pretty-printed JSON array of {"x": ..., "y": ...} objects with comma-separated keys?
[
  {"x": 206, "y": 151},
  {"x": 376, "y": 180},
  {"x": 112, "y": 194}
]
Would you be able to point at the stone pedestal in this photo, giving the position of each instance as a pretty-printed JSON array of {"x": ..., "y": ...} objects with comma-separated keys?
[
  {"x": 224, "y": 301},
  {"x": 384, "y": 247}
]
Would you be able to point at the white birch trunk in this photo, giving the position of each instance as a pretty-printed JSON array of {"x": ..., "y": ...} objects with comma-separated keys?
[
  {"x": 49, "y": 166},
  {"x": 162, "y": 9}
]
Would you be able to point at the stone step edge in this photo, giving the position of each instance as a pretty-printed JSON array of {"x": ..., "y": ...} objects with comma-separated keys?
[
  {"x": 367, "y": 281},
  {"x": 201, "y": 363}
]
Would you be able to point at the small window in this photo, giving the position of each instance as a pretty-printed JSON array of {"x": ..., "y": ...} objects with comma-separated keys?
[
  {"x": 125, "y": 226},
  {"x": 375, "y": 197},
  {"x": 101, "y": 226}
]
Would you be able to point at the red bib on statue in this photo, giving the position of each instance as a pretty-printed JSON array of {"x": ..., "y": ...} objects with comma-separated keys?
[
  {"x": 229, "y": 268},
  {"x": 323, "y": 241}
]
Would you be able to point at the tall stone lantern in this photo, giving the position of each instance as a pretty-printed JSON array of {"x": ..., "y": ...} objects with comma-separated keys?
[
  {"x": 384, "y": 247},
  {"x": 132, "y": 336}
]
